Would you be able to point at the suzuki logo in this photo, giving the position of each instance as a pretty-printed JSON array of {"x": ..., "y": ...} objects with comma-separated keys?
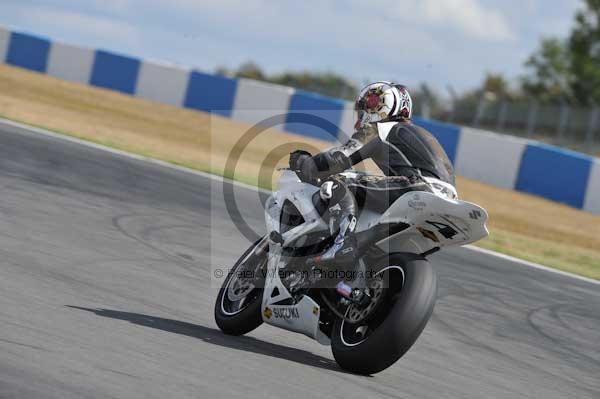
[{"x": 286, "y": 313}]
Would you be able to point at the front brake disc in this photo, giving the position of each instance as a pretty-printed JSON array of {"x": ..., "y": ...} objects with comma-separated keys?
[{"x": 357, "y": 313}]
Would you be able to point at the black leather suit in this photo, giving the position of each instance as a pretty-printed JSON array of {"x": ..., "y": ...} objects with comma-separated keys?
[{"x": 405, "y": 153}]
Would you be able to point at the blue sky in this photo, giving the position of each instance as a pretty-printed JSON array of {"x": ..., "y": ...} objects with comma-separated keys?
[{"x": 441, "y": 42}]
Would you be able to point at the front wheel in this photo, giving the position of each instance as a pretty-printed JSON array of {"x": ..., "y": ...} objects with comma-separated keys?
[
  {"x": 404, "y": 292},
  {"x": 238, "y": 305}
]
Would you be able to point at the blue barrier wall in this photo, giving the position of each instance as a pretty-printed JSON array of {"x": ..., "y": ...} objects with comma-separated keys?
[
  {"x": 547, "y": 171},
  {"x": 554, "y": 173},
  {"x": 115, "y": 72},
  {"x": 211, "y": 93},
  {"x": 314, "y": 115},
  {"x": 28, "y": 51}
]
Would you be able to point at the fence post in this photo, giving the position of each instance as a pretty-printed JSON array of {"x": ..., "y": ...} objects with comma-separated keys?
[
  {"x": 425, "y": 108},
  {"x": 480, "y": 109},
  {"x": 562, "y": 124},
  {"x": 593, "y": 123},
  {"x": 502, "y": 115},
  {"x": 450, "y": 118},
  {"x": 532, "y": 118},
  {"x": 454, "y": 102}
]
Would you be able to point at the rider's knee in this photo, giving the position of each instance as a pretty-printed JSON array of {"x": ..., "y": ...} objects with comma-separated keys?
[{"x": 333, "y": 191}]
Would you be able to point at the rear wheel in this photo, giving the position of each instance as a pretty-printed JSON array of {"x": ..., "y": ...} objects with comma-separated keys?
[
  {"x": 403, "y": 295},
  {"x": 238, "y": 305}
]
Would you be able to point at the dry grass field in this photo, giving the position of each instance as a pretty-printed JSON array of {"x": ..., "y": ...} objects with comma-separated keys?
[{"x": 521, "y": 225}]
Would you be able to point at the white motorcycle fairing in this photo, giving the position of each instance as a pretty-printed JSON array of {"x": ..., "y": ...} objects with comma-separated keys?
[{"x": 433, "y": 220}]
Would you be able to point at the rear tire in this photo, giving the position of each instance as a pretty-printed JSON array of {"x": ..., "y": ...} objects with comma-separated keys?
[
  {"x": 248, "y": 318},
  {"x": 409, "y": 311}
]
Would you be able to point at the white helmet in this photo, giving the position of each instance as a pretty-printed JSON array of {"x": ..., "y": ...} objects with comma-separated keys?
[{"x": 383, "y": 102}]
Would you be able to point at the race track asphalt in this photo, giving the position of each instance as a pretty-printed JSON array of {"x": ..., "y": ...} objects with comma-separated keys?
[{"x": 106, "y": 292}]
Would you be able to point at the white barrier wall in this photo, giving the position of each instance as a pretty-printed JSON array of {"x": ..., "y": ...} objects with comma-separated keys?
[
  {"x": 162, "y": 83},
  {"x": 592, "y": 198},
  {"x": 257, "y": 101},
  {"x": 489, "y": 157},
  {"x": 70, "y": 62},
  {"x": 4, "y": 39}
]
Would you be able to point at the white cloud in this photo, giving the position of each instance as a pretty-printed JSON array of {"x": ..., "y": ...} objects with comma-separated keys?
[
  {"x": 105, "y": 28},
  {"x": 467, "y": 16},
  {"x": 322, "y": 24}
]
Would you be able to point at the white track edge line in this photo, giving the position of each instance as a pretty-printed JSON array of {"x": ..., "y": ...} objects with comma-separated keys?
[
  {"x": 125, "y": 154},
  {"x": 7, "y": 122},
  {"x": 530, "y": 264}
]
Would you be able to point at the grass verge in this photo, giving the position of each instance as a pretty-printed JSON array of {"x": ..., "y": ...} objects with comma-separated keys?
[{"x": 521, "y": 225}]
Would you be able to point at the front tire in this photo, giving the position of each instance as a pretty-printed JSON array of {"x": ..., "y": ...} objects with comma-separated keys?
[
  {"x": 408, "y": 311},
  {"x": 248, "y": 317}
]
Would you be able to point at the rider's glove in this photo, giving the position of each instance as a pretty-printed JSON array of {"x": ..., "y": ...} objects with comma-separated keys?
[
  {"x": 297, "y": 158},
  {"x": 309, "y": 172},
  {"x": 316, "y": 169}
]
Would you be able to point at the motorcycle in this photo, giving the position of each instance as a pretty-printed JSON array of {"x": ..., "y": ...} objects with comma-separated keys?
[{"x": 371, "y": 319}]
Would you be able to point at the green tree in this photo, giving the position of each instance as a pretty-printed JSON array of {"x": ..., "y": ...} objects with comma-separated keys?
[
  {"x": 426, "y": 101},
  {"x": 496, "y": 84},
  {"x": 550, "y": 76},
  {"x": 250, "y": 70},
  {"x": 584, "y": 44},
  {"x": 571, "y": 68},
  {"x": 326, "y": 83},
  {"x": 223, "y": 71}
]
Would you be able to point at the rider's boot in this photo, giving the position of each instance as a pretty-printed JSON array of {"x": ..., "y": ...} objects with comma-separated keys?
[
  {"x": 344, "y": 248},
  {"x": 342, "y": 221}
]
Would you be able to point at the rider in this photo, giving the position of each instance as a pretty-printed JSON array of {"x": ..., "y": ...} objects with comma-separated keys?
[{"x": 407, "y": 154}]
